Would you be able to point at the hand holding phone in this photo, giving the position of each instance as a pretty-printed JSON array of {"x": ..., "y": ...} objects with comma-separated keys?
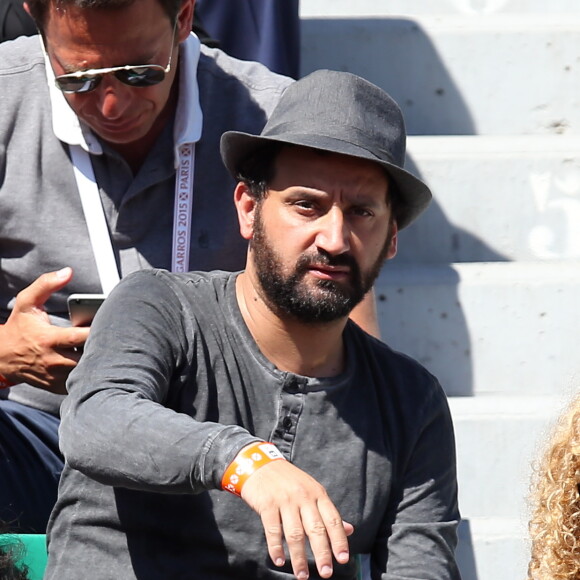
[{"x": 32, "y": 349}]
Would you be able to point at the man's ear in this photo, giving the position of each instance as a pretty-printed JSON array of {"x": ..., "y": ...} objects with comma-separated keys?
[
  {"x": 184, "y": 20},
  {"x": 392, "y": 249},
  {"x": 246, "y": 206}
]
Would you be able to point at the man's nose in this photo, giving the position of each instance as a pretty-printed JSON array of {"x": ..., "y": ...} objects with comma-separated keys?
[
  {"x": 114, "y": 98},
  {"x": 334, "y": 233}
]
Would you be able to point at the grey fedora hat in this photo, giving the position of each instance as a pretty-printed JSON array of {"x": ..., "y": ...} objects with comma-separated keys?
[{"x": 341, "y": 113}]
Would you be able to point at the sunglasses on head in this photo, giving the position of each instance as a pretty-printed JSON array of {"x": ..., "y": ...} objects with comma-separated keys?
[{"x": 141, "y": 75}]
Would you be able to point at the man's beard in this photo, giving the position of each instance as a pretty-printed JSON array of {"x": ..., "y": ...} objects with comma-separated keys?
[{"x": 323, "y": 301}]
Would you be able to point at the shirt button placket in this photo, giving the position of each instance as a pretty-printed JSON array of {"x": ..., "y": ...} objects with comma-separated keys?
[{"x": 292, "y": 401}]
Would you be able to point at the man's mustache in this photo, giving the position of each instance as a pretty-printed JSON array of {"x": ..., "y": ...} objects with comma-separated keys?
[{"x": 323, "y": 258}]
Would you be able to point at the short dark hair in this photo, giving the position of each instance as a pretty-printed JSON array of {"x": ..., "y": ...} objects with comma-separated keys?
[
  {"x": 257, "y": 171},
  {"x": 39, "y": 8}
]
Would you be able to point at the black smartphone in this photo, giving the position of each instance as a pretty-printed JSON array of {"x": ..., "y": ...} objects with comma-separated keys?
[{"x": 83, "y": 307}]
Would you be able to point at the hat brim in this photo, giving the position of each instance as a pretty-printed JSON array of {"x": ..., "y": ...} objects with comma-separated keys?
[{"x": 415, "y": 196}]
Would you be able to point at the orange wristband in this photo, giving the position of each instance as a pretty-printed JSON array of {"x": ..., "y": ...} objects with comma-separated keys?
[{"x": 247, "y": 462}]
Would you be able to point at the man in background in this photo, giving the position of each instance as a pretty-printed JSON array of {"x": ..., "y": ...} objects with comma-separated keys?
[{"x": 109, "y": 163}]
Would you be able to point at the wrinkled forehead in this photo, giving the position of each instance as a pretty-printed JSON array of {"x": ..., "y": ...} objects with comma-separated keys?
[{"x": 298, "y": 165}]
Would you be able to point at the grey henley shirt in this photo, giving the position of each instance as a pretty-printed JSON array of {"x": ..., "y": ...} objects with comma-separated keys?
[{"x": 172, "y": 385}]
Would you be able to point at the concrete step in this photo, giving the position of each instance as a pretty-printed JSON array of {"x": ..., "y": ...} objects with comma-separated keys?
[
  {"x": 497, "y": 328},
  {"x": 334, "y": 8},
  {"x": 502, "y": 74},
  {"x": 498, "y": 440},
  {"x": 496, "y": 198},
  {"x": 492, "y": 549}
]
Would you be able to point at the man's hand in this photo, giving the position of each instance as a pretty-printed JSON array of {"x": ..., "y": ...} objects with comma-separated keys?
[
  {"x": 32, "y": 350},
  {"x": 294, "y": 506}
]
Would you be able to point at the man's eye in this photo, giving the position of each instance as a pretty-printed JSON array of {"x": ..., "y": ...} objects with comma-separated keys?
[
  {"x": 361, "y": 212},
  {"x": 305, "y": 204}
]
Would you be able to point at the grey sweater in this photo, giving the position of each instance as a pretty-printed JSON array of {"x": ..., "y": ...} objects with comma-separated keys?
[
  {"x": 172, "y": 385},
  {"x": 42, "y": 226}
]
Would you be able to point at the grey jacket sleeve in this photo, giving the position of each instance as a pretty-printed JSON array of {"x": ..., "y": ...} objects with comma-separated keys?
[{"x": 115, "y": 426}]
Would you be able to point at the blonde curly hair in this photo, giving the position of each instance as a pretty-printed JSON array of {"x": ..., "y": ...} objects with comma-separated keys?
[{"x": 555, "y": 519}]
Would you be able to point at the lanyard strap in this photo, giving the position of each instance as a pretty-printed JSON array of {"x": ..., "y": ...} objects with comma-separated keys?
[
  {"x": 97, "y": 224},
  {"x": 182, "y": 209},
  {"x": 95, "y": 218}
]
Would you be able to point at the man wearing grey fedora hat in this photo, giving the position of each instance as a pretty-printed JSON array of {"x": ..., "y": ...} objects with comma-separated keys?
[{"x": 239, "y": 425}]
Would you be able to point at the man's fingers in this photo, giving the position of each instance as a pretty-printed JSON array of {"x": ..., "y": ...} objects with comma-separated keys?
[
  {"x": 70, "y": 337},
  {"x": 295, "y": 536},
  {"x": 336, "y": 528},
  {"x": 319, "y": 533},
  {"x": 348, "y": 528},
  {"x": 35, "y": 295},
  {"x": 295, "y": 509},
  {"x": 326, "y": 533},
  {"x": 274, "y": 538},
  {"x": 33, "y": 350}
]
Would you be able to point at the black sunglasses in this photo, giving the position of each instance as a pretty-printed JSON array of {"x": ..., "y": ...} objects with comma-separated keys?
[{"x": 142, "y": 75}]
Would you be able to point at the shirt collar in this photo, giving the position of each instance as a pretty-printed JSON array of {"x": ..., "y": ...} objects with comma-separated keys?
[{"x": 188, "y": 118}]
